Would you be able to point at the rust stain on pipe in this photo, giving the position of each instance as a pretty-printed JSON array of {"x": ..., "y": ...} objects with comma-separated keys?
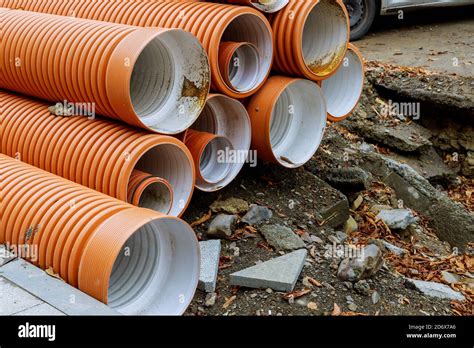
[
  {"x": 211, "y": 23},
  {"x": 140, "y": 76},
  {"x": 310, "y": 38},
  {"x": 95, "y": 153},
  {"x": 85, "y": 235}
]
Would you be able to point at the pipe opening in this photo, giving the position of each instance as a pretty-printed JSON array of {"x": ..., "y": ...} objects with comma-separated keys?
[
  {"x": 151, "y": 274},
  {"x": 170, "y": 162},
  {"x": 297, "y": 123},
  {"x": 213, "y": 165},
  {"x": 269, "y": 6},
  {"x": 343, "y": 89},
  {"x": 243, "y": 68},
  {"x": 251, "y": 29},
  {"x": 157, "y": 196},
  {"x": 170, "y": 82},
  {"x": 325, "y": 37}
]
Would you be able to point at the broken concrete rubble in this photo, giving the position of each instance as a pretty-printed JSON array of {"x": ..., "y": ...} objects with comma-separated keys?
[
  {"x": 257, "y": 214},
  {"x": 221, "y": 226},
  {"x": 279, "y": 274},
  {"x": 364, "y": 265},
  {"x": 435, "y": 289},
  {"x": 281, "y": 237},
  {"x": 397, "y": 219},
  {"x": 230, "y": 205}
]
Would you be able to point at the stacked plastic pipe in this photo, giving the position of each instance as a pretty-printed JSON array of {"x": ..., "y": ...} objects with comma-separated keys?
[{"x": 108, "y": 124}]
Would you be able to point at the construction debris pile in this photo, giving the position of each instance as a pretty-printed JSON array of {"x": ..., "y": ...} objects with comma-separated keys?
[{"x": 108, "y": 126}]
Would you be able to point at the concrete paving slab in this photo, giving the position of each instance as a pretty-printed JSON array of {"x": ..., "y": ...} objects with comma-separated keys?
[
  {"x": 210, "y": 254},
  {"x": 42, "y": 309},
  {"x": 279, "y": 274},
  {"x": 14, "y": 299},
  {"x": 55, "y": 292},
  {"x": 5, "y": 255}
]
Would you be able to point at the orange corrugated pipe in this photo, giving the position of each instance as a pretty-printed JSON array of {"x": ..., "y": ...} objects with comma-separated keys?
[
  {"x": 95, "y": 153},
  {"x": 135, "y": 260},
  {"x": 310, "y": 38},
  {"x": 288, "y": 118},
  {"x": 148, "y": 191},
  {"x": 268, "y": 6},
  {"x": 343, "y": 89},
  {"x": 157, "y": 79},
  {"x": 211, "y": 23},
  {"x": 208, "y": 151}
]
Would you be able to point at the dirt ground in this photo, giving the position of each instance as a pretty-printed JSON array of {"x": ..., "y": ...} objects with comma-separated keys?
[{"x": 436, "y": 39}]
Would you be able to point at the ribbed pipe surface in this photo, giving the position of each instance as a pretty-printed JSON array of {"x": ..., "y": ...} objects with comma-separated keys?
[
  {"x": 211, "y": 23},
  {"x": 288, "y": 118},
  {"x": 157, "y": 79},
  {"x": 95, "y": 153},
  {"x": 136, "y": 260},
  {"x": 310, "y": 38},
  {"x": 267, "y": 6},
  {"x": 343, "y": 89}
]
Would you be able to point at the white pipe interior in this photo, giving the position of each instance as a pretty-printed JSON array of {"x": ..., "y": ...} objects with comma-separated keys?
[
  {"x": 228, "y": 117},
  {"x": 243, "y": 68},
  {"x": 271, "y": 6},
  {"x": 157, "y": 196},
  {"x": 157, "y": 270},
  {"x": 297, "y": 123},
  {"x": 212, "y": 164},
  {"x": 342, "y": 90},
  {"x": 325, "y": 35},
  {"x": 169, "y": 80},
  {"x": 250, "y": 28},
  {"x": 170, "y": 162}
]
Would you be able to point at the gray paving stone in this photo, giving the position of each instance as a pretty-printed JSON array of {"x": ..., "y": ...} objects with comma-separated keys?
[
  {"x": 436, "y": 290},
  {"x": 210, "y": 254},
  {"x": 42, "y": 309},
  {"x": 5, "y": 255},
  {"x": 279, "y": 274},
  {"x": 55, "y": 292},
  {"x": 14, "y": 299}
]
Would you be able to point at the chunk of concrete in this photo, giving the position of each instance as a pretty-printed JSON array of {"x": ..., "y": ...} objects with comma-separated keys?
[
  {"x": 257, "y": 214},
  {"x": 393, "y": 248},
  {"x": 14, "y": 299},
  {"x": 230, "y": 205},
  {"x": 397, "y": 219},
  {"x": 350, "y": 179},
  {"x": 222, "y": 226},
  {"x": 53, "y": 291},
  {"x": 210, "y": 255},
  {"x": 364, "y": 265},
  {"x": 434, "y": 289},
  {"x": 281, "y": 237},
  {"x": 279, "y": 274}
]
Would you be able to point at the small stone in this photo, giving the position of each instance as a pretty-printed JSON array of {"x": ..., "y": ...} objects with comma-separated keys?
[
  {"x": 312, "y": 306},
  {"x": 357, "y": 202},
  {"x": 230, "y": 205},
  {"x": 257, "y": 214},
  {"x": 397, "y": 219},
  {"x": 362, "y": 287},
  {"x": 316, "y": 239},
  {"x": 376, "y": 208},
  {"x": 435, "y": 289},
  {"x": 301, "y": 302},
  {"x": 281, "y": 237},
  {"x": 365, "y": 265},
  {"x": 211, "y": 299},
  {"x": 375, "y": 297},
  {"x": 306, "y": 237},
  {"x": 333, "y": 239},
  {"x": 341, "y": 236},
  {"x": 348, "y": 285},
  {"x": 352, "y": 307},
  {"x": 270, "y": 291},
  {"x": 350, "y": 225},
  {"x": 393, "y": 248},
  {"x": 449, "y": 277},
  {"x": 307, "y": 283},
  {"x": 222, "y": 226}
]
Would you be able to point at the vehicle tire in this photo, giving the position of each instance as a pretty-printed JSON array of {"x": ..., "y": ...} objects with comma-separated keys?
[{"x": 362, "y": 14}]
